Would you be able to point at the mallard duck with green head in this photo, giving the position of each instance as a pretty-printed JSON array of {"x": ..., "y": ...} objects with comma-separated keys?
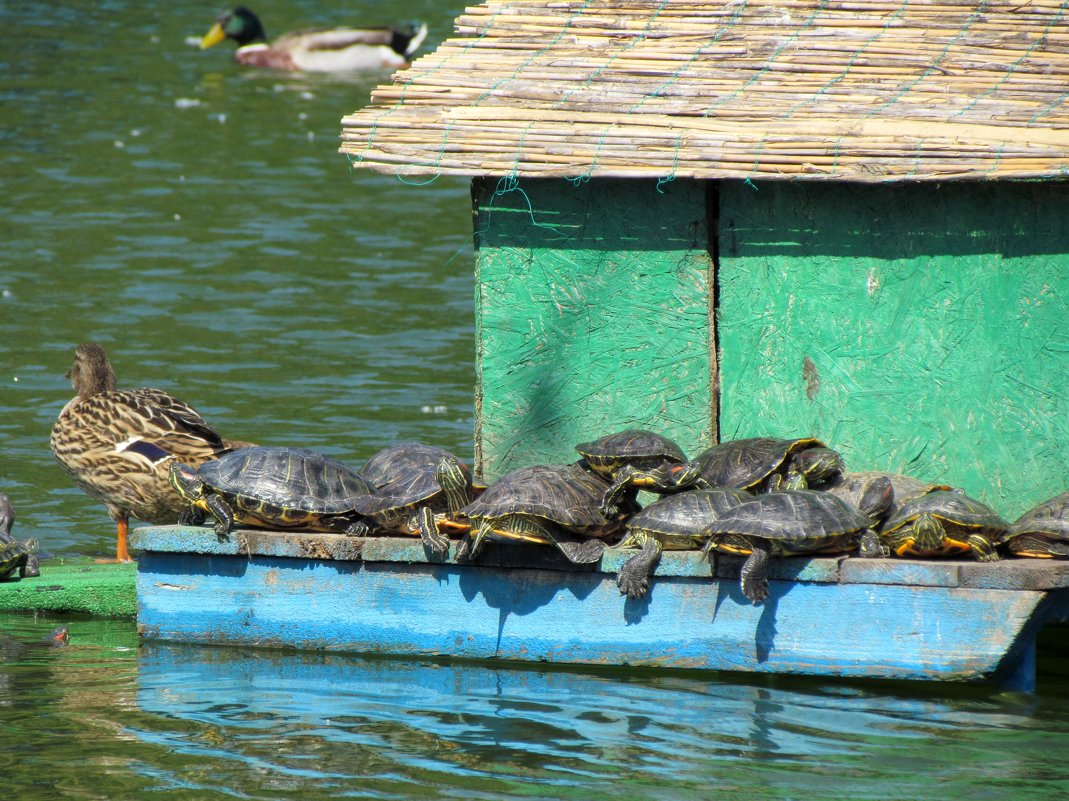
[
  {"x": 324, "y": 50},
  {"x": 117, "y": 445}
]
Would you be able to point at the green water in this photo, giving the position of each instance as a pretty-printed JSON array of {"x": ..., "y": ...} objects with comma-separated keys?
[{"x": 197, "y": 221}]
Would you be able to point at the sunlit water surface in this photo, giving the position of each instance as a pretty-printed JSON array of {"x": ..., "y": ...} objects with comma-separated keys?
[{"x": 197, "y": 221}]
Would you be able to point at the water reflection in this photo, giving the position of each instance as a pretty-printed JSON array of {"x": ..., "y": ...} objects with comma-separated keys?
[
  {"x": 361, "y": 725},
  {"x": 105, "y": 718}
]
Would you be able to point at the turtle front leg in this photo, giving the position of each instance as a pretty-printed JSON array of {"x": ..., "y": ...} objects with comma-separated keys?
[
  {"x": 436, "y": 542},
  {"x": 663, "y": 480},
  {"x": 634, "y": 577},
  {"x": 358, "y": 528},
  {"x": 870, "y": 546},
  {"x": 982, "y": 548},
  {"x": 753, "y": 578},
  {"x": 223, "y": 514},
  {"x": 585, "y": 552},
  {"x": 471, "y": 544},
  {"x": 621, "y": 487}
]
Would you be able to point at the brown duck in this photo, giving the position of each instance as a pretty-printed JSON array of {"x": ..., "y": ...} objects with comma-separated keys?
[{"x": 117, "y": 445}]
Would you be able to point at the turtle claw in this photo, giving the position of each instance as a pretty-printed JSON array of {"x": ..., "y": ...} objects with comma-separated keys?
[
  {"x": 870, "y": 547},
  {"x": 756, "y": 589},
  {"x": 582, "y": 553},
  {"x": 753, "y": 578},
  {"x": 470, "y": 546},
  {"x": 358, "y": 529},
  {"x": 633, "y": 579}
]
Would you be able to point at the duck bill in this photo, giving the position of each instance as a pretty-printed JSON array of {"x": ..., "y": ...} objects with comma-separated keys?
[{"x": 213, "y": 37}]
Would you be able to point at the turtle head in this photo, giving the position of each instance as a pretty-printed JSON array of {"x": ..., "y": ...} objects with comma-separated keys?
[
  {"x": 876, "y": 498},
  {"x": 681, "y": 476},
  {"x": 238, "y": 24},
  {"x": 928, "y": 534},
  {"x": 60, "y": 636},
  {"x": 818, "y": 464},
  {"x": 455, "y": 480},
  {"x": 7, "y": 515},
  {"x": 186, "y": 482}
]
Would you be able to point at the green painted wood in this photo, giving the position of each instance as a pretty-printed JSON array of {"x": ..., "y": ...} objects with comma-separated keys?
[
  {"x": 592, "y": 315},
  {"x": 104, "y": 590},
  {"x": 916, "y": 328}
]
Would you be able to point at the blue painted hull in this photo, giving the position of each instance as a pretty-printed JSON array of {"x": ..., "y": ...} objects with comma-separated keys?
[{"x": 844, "y": 617}]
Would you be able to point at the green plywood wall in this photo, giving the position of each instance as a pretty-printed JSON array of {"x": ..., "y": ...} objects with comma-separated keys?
[
  {"x": 592, "y": 314},
  {"x": 917, "y": 328}
]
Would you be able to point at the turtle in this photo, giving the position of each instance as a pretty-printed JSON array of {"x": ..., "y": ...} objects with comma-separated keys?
[
  {"x": 897, "y": 489},
  {"x": 549, "y": 504},
  {"x": 756, "y": 464},
  {"x": 635, "y": 451},
  {"x": 1043, "y": 530},
  {"x": 398, "y": 461},
  {"x": 944, "y": 523},
  {"x": 675, "y": 522},
  {"x": 787, "y": 523},
  {"x": 275, "y": 488},
  {"x": 15, "y": 555},
  {"x": 421, "y": 496}
]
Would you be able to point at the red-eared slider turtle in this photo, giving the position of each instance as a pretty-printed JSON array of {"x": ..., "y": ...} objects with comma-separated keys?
[
  {"x": 420, "y": 498},
  {"x": 788, "y": 523},
  {"x": 762, "y": 464},
  {"x": 755, "y": 464},
  {"x": 675, "y": 522},
  {"x": 1043, "y": 530},
  {"x": 945, "y": 523},
  {"x": 396, "y": 462},
  {"x": 897, "y": 489},
  {"x": 634, "y": 447},
  {"x": 556, "y": 505},
  {"x": 14, "y": 555},
  {"x": 273, "y": 488}
]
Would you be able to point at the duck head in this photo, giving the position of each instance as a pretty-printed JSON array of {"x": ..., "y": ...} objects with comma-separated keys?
[
  {"x": 238, "y": 24},
  {"x": 91, "y": 372}
]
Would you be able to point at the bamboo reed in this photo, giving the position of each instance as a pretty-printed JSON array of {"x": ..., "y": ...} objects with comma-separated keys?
[{"x": 866, "y": 91}]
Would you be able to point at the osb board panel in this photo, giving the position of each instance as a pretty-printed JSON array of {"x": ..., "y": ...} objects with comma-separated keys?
[
  {"x": 592, "y": 315},
  {"x": 915, "y": 328}
]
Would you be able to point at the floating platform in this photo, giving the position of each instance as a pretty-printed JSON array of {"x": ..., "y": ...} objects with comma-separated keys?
[
  {"x": 881, "y": 618},
  {"x": 80, "y": 586}
]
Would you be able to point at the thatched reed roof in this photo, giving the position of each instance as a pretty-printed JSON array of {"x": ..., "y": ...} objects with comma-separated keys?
[{"x": 859, "y": 91}]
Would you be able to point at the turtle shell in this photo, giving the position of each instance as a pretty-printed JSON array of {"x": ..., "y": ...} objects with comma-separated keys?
[
  {"x": 956, "y": 511},
  {"x": 397, "y": 462},
  {"x": 800, "y": 520},
  {"x": 563, "y": 494},
  {"x": 1043, "y": 530},
  {"x": 681, "y": 519},
  {"x": 900, "y": 489},
  {"x": 7, "y": 519},
  {"x": 635, "y": 446},
  {"x": 745, "y": 463},
  {"x": 14, "y": 555},
  {"x": 293, "y": 479},
  {"x": 411, "y": 486}
]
